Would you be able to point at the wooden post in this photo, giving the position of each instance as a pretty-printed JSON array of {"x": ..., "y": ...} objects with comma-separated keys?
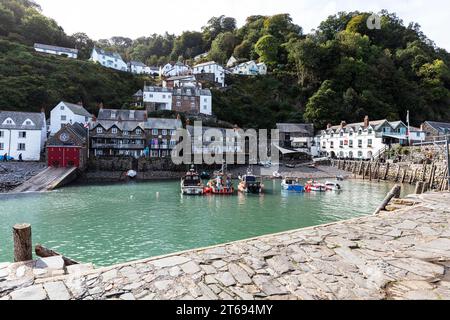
[
  {"x": 424, "y": 172},
  {"x": 23, "y": 250},
  {"x": 370, "y": 171},
  {"x": 419, "y": 187},
  {"x": 386, "y": 172},
  {"x": 404, "y": 175},
  {"x": 394, "y": 193},
  {"x": 426, "y": 186},
  {"x": 432, "y": 173},
  {"x": 398, "y": 173},
  {"x": 364, "y": 172}
]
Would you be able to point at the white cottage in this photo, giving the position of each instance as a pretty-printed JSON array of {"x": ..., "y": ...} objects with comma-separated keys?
[
  {"x": 173, "y": 70},
  {"x": 249, "y": 68},
  {"x": 211, "y": 67},
  {"x": 107, "y": 59},
  {"x": 59, "y": 51},
  {"x": 22, "y": 133},
  {"x": 67, "y": 113},
  {"x": 364, "y": 140}
]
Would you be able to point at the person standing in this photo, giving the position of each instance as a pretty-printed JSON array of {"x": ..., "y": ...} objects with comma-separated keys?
[
  {"x": 20, "y": 158},
  {"x": 5, "y": 158}
]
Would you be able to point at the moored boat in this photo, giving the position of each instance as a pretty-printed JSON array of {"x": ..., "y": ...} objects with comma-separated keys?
[
  {"x": 314, "y": 186},
  {"x": 290, "y": 184},
  {"x": 191, "y": 184},
  {"x": 249, "y": 184},
  {"x": 333, "y": 186},
  {"x": 221, "y": 184}
]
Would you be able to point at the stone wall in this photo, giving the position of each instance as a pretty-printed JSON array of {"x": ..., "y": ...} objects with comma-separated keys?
[{"x": 433, "y": 174}]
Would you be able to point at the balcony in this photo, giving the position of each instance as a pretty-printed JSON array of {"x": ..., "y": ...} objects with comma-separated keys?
[{"x": 117, "y": 146}]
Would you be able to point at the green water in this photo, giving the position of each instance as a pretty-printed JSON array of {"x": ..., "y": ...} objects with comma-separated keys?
[{"x": 118, "y": 223}]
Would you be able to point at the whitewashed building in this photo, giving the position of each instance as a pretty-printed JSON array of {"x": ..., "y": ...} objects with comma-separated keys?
[
  {"x": 138, "y": 67},
  {"x": 232, "y": 62},
  {"x": 108, "y": 59},
  {"x": 211, "y": 67},
  {"x": 173, "y": 70},
  {"x": 59, "y": 51},
  {"x": 67, "y": 113},
  {"x": 250, "y": 68},
  {"x": 365, "y": 140},
  {"x": 22, "y": 133},
  {"x": 159, "y": 97}
]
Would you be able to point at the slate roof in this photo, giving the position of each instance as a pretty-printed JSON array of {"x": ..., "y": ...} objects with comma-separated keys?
[
  {"x": 19, "y": 118},
  {"x": 122, "y": 114},
  {"x": 121, "y": 125},
  {"x": 77, "y": 109},
  {"x": 305, "y": 128},
  {"x": 113, "y": 55},
  {"x": 443, "y": 127},
  {"x": 205, "y": 64},
  {"x": 55, "y": 48},
  {"x": 376, "y": 125},
  {"x": 137, "y": 64},
  {"x": 161, "y": 123},
  {"x": 78, "y": 133}
]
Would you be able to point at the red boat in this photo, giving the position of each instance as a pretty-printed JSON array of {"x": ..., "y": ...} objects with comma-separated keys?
[{"x": 221, "y": 185}]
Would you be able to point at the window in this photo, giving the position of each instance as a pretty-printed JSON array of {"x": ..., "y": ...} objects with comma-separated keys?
[
  {"x": 350, "y": 143},
  {"x": 178, "y": 104},
  {"x": 369, "y": 142},
  {"x": 9, "y": 121},
  {"x": 351, "y": 134},
  {"x": 114, "y": 130},
  {"x": 1, "y": 134},
  {"x": 2, "y": 146},
  {"x": 359, "y": 143},
  {"x": 126, "y": 133},
  {"x": 342, "y": 133},
  {"x": 155, "y": 132},
  {"x": 21, "y": 147},
  {"x": 99, "y": 130},
  {"x": 86, "y": 119},
  {"x": 360, "y": 132},
  {"x": 331, "y": 144},
  {"x": 138, "y": 131},
  {"x": 341, "y": 144},
  {"x": 164, "y": 96},
  {"x": 370, "y": 131},
  {"x": 63, "y": 118},
  {"x": 206, "y": 100},
  {"x": 61, "y": 108},
  {"x": 178, "y": 98},
  {"x": 28, "y": 123},
  {"x": 173, "y": 132},
  {"x": 22, "y": 134},
  {"x": 360, "y": 154},
  {"x": 164, "y": 132}
]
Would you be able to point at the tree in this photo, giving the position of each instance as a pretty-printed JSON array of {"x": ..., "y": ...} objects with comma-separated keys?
[
  {"x": 188, "y": 45},
  {"x": 323, "y": 107},
  {"x": 83, "y": 43},
  {"x": 38, "y": 28},
  {"x": 7, "y": 20},
  {"x": 216, "y": 26},
  {"x": 243, "y": 50},
  {"x": 222, "y": 47},
  {"x": 267, "y": 48},
  {"x": 281, "y": 27}
]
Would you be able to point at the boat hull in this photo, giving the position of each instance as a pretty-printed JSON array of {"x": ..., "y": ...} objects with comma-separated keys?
[{"x": 192, "y": 191}]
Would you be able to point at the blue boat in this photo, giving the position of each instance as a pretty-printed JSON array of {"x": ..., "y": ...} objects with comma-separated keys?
[{"x": 290, "y": 184}]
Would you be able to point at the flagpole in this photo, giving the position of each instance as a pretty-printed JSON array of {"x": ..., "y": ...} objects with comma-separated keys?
[{"x": 409, "y": 129}]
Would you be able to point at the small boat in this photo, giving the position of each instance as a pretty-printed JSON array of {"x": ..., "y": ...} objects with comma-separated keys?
[
  {"x": 277, "y": 175},
  {"x": 222, "y": 185},
  {"x": 290, "y": 184},
  {"x": 250, "y": 184},
  {"x": 132, "y": 174},
  {"x": 314, "y": 186},
  {"x": 333, "y": 186},
  {"x": 340, "y": 178},
  {"x": 191, "y": 184}
]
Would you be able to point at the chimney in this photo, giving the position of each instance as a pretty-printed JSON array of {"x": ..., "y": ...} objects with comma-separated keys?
[
  {"x": 80, "y": 103},
  {"x": 42, "y": 110},
  {"x": 94, "y": 118},
  {"x": 343, "y": 124},
  {"x": 366, "y": 121},
  {"x": 329, "y": 126},
  {"x": 100, "y": 106}
]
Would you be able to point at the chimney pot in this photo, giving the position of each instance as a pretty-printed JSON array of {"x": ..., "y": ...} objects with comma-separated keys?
[
  {"x": 80, "y": 103},
  {"x": 343, "y": 124},
  {"x": 366, "y": 121},
  {"x": 329, "y": 126}
]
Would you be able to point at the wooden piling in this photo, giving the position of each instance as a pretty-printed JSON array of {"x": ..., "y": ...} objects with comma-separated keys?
[
  {"x": 394, "y": 193},
  {"x": 419, "y": 187},
  {"x": 404, "y": 175},
  {"x": 23, "y": 250},
  {"x": 386, "y": 172},
  {"x": 398, "y": 173}
]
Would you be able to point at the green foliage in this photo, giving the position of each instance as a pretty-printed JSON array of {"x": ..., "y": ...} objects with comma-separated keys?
[
  {"x": 267, "y": 48},
  {"x": 29, "y": 81},
  {"x": 188, "y": 45},
  {"x": 222, "y": 47}
]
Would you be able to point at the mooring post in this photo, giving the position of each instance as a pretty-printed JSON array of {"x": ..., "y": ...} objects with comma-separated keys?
[
  {"x": 419, "y": 187},
  {"x": 23, "y": 250},
  {"x": 394, "y": 193}
]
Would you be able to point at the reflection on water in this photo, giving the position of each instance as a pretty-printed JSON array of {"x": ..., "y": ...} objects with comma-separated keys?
[{"x": 118, "y": 223}]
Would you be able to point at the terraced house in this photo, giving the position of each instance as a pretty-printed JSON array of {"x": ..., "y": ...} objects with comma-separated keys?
[
  {"x": 118, "y": 133},
  {"x": 161, "y": 135},
  {"x": 364, "y": 140}
]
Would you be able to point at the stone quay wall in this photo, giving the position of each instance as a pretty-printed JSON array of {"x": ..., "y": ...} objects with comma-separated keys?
[
  {"x": 434, "y": 174},
  {"x": 404, "y": 254}
]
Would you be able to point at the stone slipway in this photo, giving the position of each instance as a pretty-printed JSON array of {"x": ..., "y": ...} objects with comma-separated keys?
[{"x": 396, "y": 255}]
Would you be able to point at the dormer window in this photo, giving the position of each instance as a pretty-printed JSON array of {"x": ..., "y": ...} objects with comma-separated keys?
[
  {"x": 113, "y": 115},
  {"x": 370, "y": 131},
  {"x": 27, "y": 122},
  {"x": 100, "y": 130},
  {"x": 360, "y": 132},
  {"x": 114, "y": 130},
  {"x": 9, "y": 121},
  {"x": 138, "y": 131}
]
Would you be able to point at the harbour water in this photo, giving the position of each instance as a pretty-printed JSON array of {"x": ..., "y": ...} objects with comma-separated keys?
[{"x": 111, "y": 224}]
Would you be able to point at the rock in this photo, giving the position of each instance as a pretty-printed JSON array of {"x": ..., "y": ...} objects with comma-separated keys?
[
  {"x": 4, "y": 273},
  {"x": 4, "y": 265},
  {"x": 130, "y": 273},
  {"x": 21, "y": 271},
  {"x": 163, "y": 285},
  {"x": 219, "y": 264},
  {"x": 133, "y": 286},
  {"x": 421, "y": 295},
  {"x": 109, "y": 275},
  {"x": 190, "y": 267},
  {"x": 210, "y": 279},
  {"x": 169, "y": 262},
  {"x": 175, "y": 271},
  {"x": 127, "y": 296},
  {"x": 53, "y": 263},
  {"x": 242, "y": 294},
  {"x": 40, "y": 273},
  {"x": 57, "y": 291},
  {"x": 226, "y": 279},
  {"x": 208, "y": 269},
  {"x": 239, "y": 274},
  {"x": 280, "y": 264},
  {"x": 207, "y": 291},
  {"x": 419, "y": 267},
  {"x": 79, "y": 268},
  {"x": 35, "y": 292}
]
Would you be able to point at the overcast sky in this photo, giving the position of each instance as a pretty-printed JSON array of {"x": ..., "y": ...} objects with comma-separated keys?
[{"x": 135, "y": 18}]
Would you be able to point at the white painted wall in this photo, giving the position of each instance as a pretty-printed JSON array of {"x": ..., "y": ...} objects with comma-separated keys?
[
  {"x": 206, "y": 105},
  {"x": 59, "y": 53},
  {"x": 219, "y": 72},
  {"x": 164, "y": 97},
  {"x": 34, "y": 143},
  {"x": 56, "y": 121},
  {"x": 109, "y": 62}
]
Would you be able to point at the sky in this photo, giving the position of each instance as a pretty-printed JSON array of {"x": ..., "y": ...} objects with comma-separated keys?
[{"x": 101, "y": 19}]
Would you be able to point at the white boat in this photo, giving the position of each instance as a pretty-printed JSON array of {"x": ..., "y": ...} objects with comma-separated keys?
[
  {"x": 315, "y": 186},
  {"x": 191, "y": 183},
  {"x": 132, "y": 174},
  {"x": 333, "y": 186}
]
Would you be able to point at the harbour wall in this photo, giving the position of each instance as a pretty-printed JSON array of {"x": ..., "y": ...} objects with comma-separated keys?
[{"x": 434, "y": 175}]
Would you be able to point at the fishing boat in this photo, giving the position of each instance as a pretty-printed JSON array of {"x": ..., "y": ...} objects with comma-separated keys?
[
  {"x": 314, "y": 186},
  {"x": 191, "y": 184},
  {"x": 333, "y": 186},
  {"x": 221, "y": 184},
  {"x": 290, "y": 184},
  {"x": 249, "y": 184}
]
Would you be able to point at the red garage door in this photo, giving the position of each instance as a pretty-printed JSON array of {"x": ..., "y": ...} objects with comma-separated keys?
[{"x": 63, "y": 157}]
